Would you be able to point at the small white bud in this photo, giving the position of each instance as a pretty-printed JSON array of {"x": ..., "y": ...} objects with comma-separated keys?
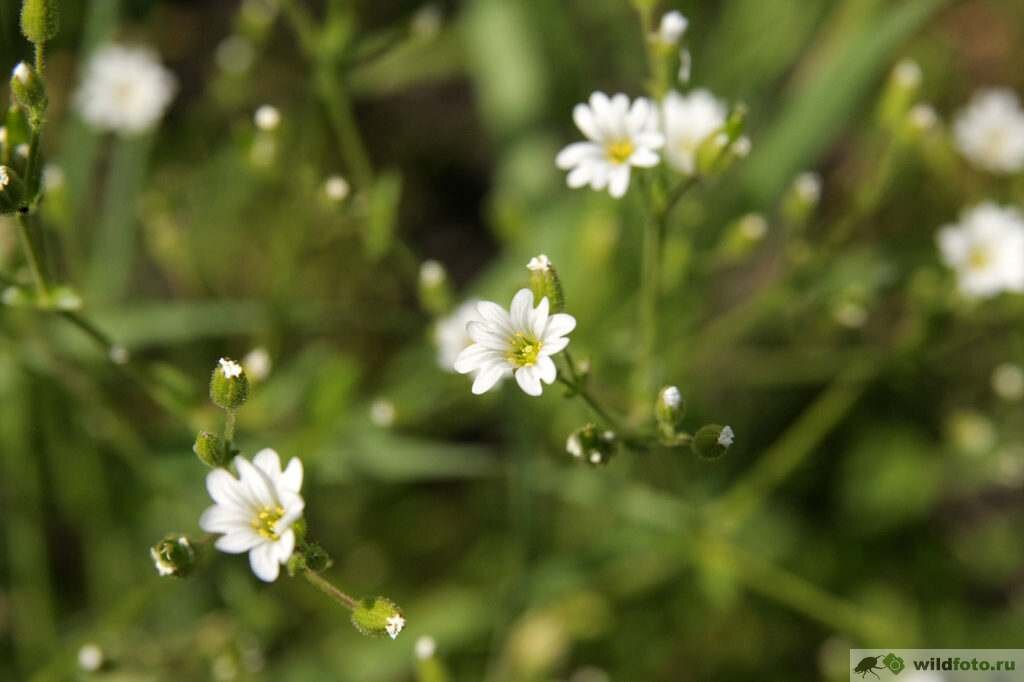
[
  {"x": 5, "y": 177},
  {"x": 432, "y": 273},
  {"x": 22, "y": 72},
  {"x": 230, "y": 368},
  {"x": 53, "y": 177},
  {"x": 907, "y": 74},
  {"x": 741, "y": 147},
  {"x": 394, "y": 625},
  {"x": 90, "y": 657},
  {"x": 808, "y": 187},
  {"x": 1008, "y": 381},
  {"x": 425, "y": 648},
  {"x": 923, "y": 117},
  {"x": 235, "y": 55},
  {"x": 850, "y": 314},
  {"x": 22, "y": 150},
  {"x": 267, "y": 118},
  {"x": 336, "y": 188},
  {"x": 726, "y": 437},
  {"x": 426, "y": 22},
  {"x": 685, "y": 66},
  {"x": 382, "y": 412},
  {"x": 753, "y": 226},
  {"x": 539, "y": 263},
  {"x": 673, "y": 26},
  {"x": 257, "y": 363},
  {"x": 119, "y": 355}
]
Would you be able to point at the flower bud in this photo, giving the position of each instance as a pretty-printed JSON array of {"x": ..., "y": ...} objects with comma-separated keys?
[
  {"x": 29, "y": 91},
  {"x": 12, "y": 190},
  {"x": 378, "y": 616},
  {"x": 544, "y": 282},
  {"x": 900, "y": 92},
  {"x": 741, "y": 236},
  {"x": 174, "y": 555},
  {"x": 801, "y": 199},
  {"x": 40, "y": 20},
  {"x": 669, "y": 410},
  {"x": 210, "y": 450},
  {"x": 671, "y": 29},
  {"x": 434, "y": 290},
  {"x": 229, "y": 387},
  {"x": 592, "y": 445},
  {"x": 711, "y": 441}
]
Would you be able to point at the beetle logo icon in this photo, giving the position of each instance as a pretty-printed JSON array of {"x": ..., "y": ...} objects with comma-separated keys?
[{"x": 890, "y": 662}]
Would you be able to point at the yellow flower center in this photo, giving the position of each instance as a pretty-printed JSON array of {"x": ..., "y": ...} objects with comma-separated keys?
[
  {"x": 523, "y": 350},
  {"x": 979, "y": 258},
  {"x": 619, "y": 152},
  {"x": 265, "y": 522}
]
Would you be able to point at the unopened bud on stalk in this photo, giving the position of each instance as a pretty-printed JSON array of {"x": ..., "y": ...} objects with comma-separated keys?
[
  {"x": 544, "y": 282},
  {"x": 592, "y": 445},
  {"x": 742, "y": 236},
  {"x": 802, "y": 198},
  {"x": 378, "y": 616},
  {"x": 711, "y": 441},
  {"x": 29, "y": 91},
  {"x": 210, "y": 450},
  {"x": 434, "y": 289},
  {"x": 40, "y": 20},
  {"x": 669, "y": 410},
  {"x": 12, "y": 190},
  {"x": 671, "y": 29},
  {"x": 229, "y": 387},
  {"x": 174, "y": 555},
  {"x": 899, "y": 93}
]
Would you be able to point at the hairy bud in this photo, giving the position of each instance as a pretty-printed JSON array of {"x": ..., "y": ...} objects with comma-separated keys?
[
  {"x": 378, "y": 616},
  {"x": 711, "y": 441},
  {"x": 592, "y": 445},
  {"x": 544, "y": 282},
  {"x": 229, "y": 387},
  {"x": 174, "y": 555},
  {"x": 40, "y": 20},
  {"x": 210, "y": 450}
]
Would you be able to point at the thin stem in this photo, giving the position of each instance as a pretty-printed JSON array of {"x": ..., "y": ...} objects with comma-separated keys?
[
  {"x": 39, "y": 59},
  {"x": 34, "y": 254},
  {"x": 339, "y": 109},
  {"x": 328, "y": 588},
  {"x": 229, "y": 429},
  {"x": 32, "y": 172}
]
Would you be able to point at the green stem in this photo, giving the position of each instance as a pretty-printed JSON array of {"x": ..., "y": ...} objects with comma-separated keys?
[
  {"x": 34, "y": 253},
  {"x": 340, "y": 111},
  {"x": 229, "y": 429},
  {"x": 328, "y": 588}
]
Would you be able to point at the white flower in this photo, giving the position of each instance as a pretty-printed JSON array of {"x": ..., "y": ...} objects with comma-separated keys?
[
  {"x": 620, "y": 135},
  {"x": 230, "y": 368},
  {"x": 687, "y": 121},
  {"x": 923, "y": 116},
  {"x": 672, "y": 396},
  {"x": 90, "y": 657},
  {"x": 336, "y": 188},
  {"x": 726, "y": 437},
  {"x": 124, "y": 89},
  {"x": 673, "y": 26},
  {"x": 425, "y": 648},
  {"x": 990, "y": 131},
  {"x": 540, "y": 263},
  {"x": 753, "y": 226},
  {"x": 394, "y": 625},
  {"x": 907, "y": 74},
  {"x": 257, "y": 363},
  {"x": 383, "y": 412},
  {"x": 450, "y": 335},
  {"x": 267, "y": 118},
  {"x": 519, "y": 342},
  {"x": 986, "y": 249},
  {"x": 255, "y": 512},
  {"x": 53, "y": 177},
  {"x": 5, "y": 177}
]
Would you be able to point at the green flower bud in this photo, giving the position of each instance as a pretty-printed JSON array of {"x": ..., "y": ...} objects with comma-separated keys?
[
  {"x": 801, "y": 199},
  {"x": 378, "y": 616},
  {"x": 592, "y": 445},
  {"x": 711, "y": 441},
  {"x": 741, "y": 236},
  {"x": 669, "y": 410},
  {"x": 30, "y": 92},
  {"x": 899, "y": 94},
  {"x": 12, "y": 191},
  {"x": 434, "y": 289},
  {"x": 229, "y": 387},
  {"x": 737, "y": 122},
  {"x": 174, "y": 555},
  {"x": 40, "y": 20},
  {"x": 544, "y": 282},
  {"x": 317, "y": 558},
  {"x": 210, "y": 450}
]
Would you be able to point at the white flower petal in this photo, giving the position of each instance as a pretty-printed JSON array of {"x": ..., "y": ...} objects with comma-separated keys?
[
  {"x": 585, "y": 121},
  {"x": 539, "y": 318},
  {"x": 528, "y": 380},
  {"x": 220, "y": 519},
  {"x": 553, "y": 346},
  {"x": 487, "y": 378},
  {"x": 269, "y": 461},
  {"x": 256, "y": 482},
  {"x": 264, "y": 562},
  {"x": 291, "y": 478},
  {"x": 618, "y": 182},
  {"x": 576, "y": 153},
  {"x": 579, "y": 176},
  {"x": 644, "y": 158},
  {"x": 559, "y": 324},
  {"x": 522, "y": 307},
  {"x": 546, "y": 370},
  {"x": 239, "y": 541},
  {"x": 225, "y": 489},
  {"x": 284, "y": 547}
]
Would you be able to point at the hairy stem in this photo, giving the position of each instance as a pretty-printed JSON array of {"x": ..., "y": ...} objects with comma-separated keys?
[
  {"x": 328, "y": 588},
  {"x": 31, "y": 244}
]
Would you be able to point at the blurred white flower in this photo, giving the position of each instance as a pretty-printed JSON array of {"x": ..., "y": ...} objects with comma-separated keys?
[
  {"x": 517, "y": 342},
  {"x": 753, "y": 226},
  {"x": 255, "y": 512},
  {"x": 672, "y": 396},
  {"x": 990, "y": 131},
  {"x": 687, "y": 121},
  {"x": 450, "y": 335},
  {"x": 907, "y": 74},
  {"x": 726, "y": 437},
  {"x": 923, "y": 117},
  {"x": 267, "y": 118},
  {"x": 383, "y": 412},
  {"x": 432, "y": 273},
  {"x": 425, "y": 647},
  {"x": 539, "y": 263},
  {"x": 426, "y": 21},
  {"x": 257, "y": 363},
  {"x": 986, "y": 249},
  {"x": 336, "y": 188},
  {"x": 619, "y": 136},
  {"x": 124, "y": 89},
  {"x": 90, "y": 657},
  {"x": 685, "y": 66},
  {"x": 808, "y": 187},
  {"x": 673, "y": 26},
  {"x": 235, "y": 55},
  {"x": 53, "y": 177},
  {"x": 1008, "y": 381}
]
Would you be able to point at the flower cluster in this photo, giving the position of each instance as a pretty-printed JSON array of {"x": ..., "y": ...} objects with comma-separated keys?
[
  {"x": 990, "y": 131},
  {"x": 124, "y": 90},
  {"x": 986, "y": 250}
]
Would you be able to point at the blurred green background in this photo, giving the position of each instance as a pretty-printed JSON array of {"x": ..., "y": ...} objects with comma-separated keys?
[{"x": 874, "y": 494}]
